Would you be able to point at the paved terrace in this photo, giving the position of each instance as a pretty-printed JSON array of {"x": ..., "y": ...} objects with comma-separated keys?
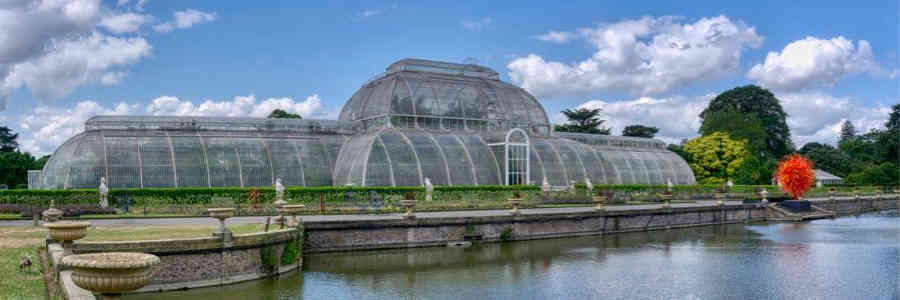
[{"x": 392, "y": 216}]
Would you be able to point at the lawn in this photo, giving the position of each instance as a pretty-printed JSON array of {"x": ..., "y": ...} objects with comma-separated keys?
[{"x": 19, "y": 241}]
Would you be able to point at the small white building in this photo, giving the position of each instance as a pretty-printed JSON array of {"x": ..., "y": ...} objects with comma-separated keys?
[{"x": 824, "y": 178}]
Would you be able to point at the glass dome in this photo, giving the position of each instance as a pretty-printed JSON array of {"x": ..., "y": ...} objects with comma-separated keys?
[{"x": 442, "y": 95}]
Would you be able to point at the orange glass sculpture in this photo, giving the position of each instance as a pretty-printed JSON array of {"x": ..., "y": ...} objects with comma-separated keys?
[{"x": 795, "y": 174}]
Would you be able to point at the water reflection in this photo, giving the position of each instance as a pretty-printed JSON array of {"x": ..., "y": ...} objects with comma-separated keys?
[{"x": 842, "y": 258}]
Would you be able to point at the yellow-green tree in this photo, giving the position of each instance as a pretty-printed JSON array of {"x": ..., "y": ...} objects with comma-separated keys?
[{"x": 716, "y": 157}]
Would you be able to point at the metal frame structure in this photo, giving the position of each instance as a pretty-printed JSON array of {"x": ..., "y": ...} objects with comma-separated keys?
[{"x": 455, "y": 124}]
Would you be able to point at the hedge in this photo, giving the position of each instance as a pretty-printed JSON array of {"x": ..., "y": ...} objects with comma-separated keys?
[{"x": 337, "y": 195}]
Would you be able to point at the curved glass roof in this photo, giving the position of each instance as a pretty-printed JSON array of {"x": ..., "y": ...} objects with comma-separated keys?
[
  {"x": 413, "y": 87},
  {"x": 406, "y": 157}
]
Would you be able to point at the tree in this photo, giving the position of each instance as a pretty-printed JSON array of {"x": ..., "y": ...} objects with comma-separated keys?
[
  {"x": 848, "y": 131},
  {"x": 281, "y": 114},
  {"x": 828, "y": 158},
  {"x": 893, "y": 122},
  {"x": 716, "y": 157},
  {"x": 583, "y": 120},
  {"x": 756, "y": 170},
  {"x": 8, "y": 140},
  {"x": 884, "y": 175},
  {"x": 738, "y": 125},
  {"x": 762, "y": 103},
  {"x": 640, "y": 131},
  {"x": 14, "y": 167}
]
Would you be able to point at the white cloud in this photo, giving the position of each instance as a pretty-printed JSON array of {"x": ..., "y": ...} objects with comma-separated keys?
[
  {"x": 676, "y": 117},
  {"x": 44, "y": 128},
  {"x": 813, "y": 116},
  {"x": 817, "y": 116},
  {"x": 645, "y": 56},
  {"x": 185, "y": 19},
  {"x": 813, "y": 62},
  {"x": 476, "y": 24},
  {"x": 54, "y": 47},
  {"x": 559, "y": 37},
  {"x": 70, "y": 63},
  {"x": 125, "y": 22},
  {"x": 369, "y": 13}
]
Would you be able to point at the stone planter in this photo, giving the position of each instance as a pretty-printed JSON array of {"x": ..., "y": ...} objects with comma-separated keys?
[
  {"x": 67, "y": 232},
  {"x": 52, "y": 214},
  {"x": 111, "y": 273},
  {"x": 720, "y": 198},
  {"x": 599, "y": 200},
  {"x": 666, "y": 200},
  {"x": 291, "y": 210},
  {"x": 515, "y": 202},
  {"x": 408, "y": 206},
  {"x": 222, "y": 214}
]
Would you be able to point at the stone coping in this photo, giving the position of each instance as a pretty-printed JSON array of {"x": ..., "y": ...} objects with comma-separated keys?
[{"x": 189, "y": 245}]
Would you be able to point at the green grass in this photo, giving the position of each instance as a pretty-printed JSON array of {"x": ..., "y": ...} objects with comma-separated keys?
[
  {"x": 19, "y": 284},
  {"x": 18, "y": 241}
]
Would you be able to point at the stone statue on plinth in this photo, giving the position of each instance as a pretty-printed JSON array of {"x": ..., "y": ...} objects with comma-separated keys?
[
  {"x": 279, "y": 193},
  {"x": 104, "y": 193},
  {"x": 545, "y": 186},
  {"x": 429, "y": 189},
  {"x": 590, "y": 186}
]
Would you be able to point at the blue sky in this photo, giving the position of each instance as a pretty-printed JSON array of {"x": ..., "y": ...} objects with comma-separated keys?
[{"x": 653, "y": 63}]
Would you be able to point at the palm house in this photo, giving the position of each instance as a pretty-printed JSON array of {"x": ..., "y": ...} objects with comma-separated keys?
[{"x": 454, "y": 124}]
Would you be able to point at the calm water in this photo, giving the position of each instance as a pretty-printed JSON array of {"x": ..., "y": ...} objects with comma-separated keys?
[{"x": 846, "y": 258}]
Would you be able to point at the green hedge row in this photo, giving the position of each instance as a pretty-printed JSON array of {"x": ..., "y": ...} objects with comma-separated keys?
[{"x": 312, "y": 195}]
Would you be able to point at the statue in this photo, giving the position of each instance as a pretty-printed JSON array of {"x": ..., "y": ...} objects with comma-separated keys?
[
  {"x": 669, "y": 185},
  {"x": 279, "y": 193},
  {"x": 590, "y": 187},
  {"x": 572, "y": 186},
  {"x": 429, "y": 189},
  {"x": 104, "y": 193},
  {"x": 545, "y": 186}
]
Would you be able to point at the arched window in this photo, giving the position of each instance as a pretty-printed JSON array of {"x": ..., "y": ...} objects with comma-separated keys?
[{"x": 516, "y": 157}]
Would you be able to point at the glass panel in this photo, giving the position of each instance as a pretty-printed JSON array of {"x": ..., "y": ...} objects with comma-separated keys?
[
  {"x": 536, "y": 172},
  {"x": 124, "y": 170},
  {"x": 460, "y": 166},
  {"x": 401, "y": 101},
  {"x": 485, "y": 164},
  {"x": 552, "y": 166},
  {"x": 403, "y": 160},
  {"x": 286, "y": 162},
  {"x": 157, "y": 161},
  {"x": 448, "y": 102},
  {"x": 223, "y": 162},
  {"x": 378, "y": 172},
  {"x": 430, "y": 158},
  {"x": 571, "y": 162},
  {"x": 316, "y": 170},
  {"x": 423, "y": 96},
  {"x": 621, "y": 165},
  {"x": 189, "y": 161},
  {"x": 88, "y": 162}
]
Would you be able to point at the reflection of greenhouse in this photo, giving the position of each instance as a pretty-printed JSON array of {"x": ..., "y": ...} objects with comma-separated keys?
[{"x": 454, "y": 124}]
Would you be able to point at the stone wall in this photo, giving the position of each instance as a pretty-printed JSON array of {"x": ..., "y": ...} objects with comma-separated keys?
[
  {"x": 199, "y": 262},
  {"x": 328, "y": 236}
]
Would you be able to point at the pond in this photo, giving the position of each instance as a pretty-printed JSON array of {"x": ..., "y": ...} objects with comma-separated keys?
[{"x": 856, "y": 257}]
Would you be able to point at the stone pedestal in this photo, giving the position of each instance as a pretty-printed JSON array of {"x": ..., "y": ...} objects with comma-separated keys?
[
  {"x": 111, "y": 273},
  {"x": 67, "y": 233},
  {"x": 408, "y": 206},
  {"x": 222, "y": 214},
  {"x": 666, "y": 199},
  {"x": 599, "y": 200},
  {"x": 515, "y": 202}
]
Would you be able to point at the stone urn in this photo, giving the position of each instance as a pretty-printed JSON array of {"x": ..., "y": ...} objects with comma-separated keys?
[
  {"x": 222, "y": 214},
  {"x": 52, "y": 214},
  {"x": 408, "y": 206},
  {"x": 291, "y": 210},
  {"x": 111, "y": 273},
  {"x": 599, "y": 200},
  {"x": 666, "y": 199},
  {"x": 514, "y": 202},
  {"x": 720, "y": 198},
  {"x": 67, "y": 232}
]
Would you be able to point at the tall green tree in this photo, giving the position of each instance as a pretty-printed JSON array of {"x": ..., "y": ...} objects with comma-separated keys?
[
  {"x": 8, "y": 140},
  {"x": 281, "y": 114},
  {"x": 848, "y": 131},
  {"x": 893, "y": 122},
  {"x": 738, "y": 125},
  {"x": 828, "y": 158},
  {"x": 14, "y": 168},
  {"x": 762, "y": 103},
  {"x": 583, "y": 120},
  {"x": 640, "y": 131},
  {"x": 717, "y": 157}
]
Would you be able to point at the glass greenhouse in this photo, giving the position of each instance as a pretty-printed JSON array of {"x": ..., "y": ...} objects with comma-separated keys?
[{"x": 454, "y": 124}]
